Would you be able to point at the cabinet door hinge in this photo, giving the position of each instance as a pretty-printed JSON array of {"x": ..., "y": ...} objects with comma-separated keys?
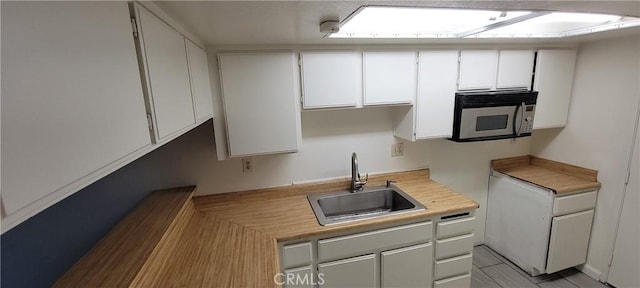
[
  {"x": 149, "y": 122},
  {"x": 134, "y": 26}
]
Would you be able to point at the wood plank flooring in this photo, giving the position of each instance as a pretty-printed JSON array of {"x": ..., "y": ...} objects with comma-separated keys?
[{"x": 491, "y": 270}]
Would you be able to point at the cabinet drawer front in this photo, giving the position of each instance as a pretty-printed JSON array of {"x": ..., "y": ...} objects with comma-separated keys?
[
  {"x": 455, "y": 227},
  {"x": 296, "y": 255},
  {"x": 454, "y": 282},
  {"x": 358, "y": 244},
  {"x": 574, "y": 203},
  {"x": 453, "y": 266},
  {"x": 454, "y": 246}
]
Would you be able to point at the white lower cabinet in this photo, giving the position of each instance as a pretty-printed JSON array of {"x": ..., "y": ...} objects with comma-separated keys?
[
  {"x": 452, "y": 267},
  {"x": 398, "y": 256},
  {"x": 454, "y": 282},
  {"x": 302, "y": 277},
  {"x": 538, "y": 230},
  {"x": 406, "y": 267},
  {"x": 352, "y": 272},
  {"x": 453, "y": 251},
  {"x": 569, "y": 240},
  {"x": 454, "y": 246}
]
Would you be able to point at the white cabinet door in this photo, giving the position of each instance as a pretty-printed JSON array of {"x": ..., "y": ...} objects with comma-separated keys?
[
  {"x": 349, "y": 273},
  {"x": 331, "y": 79},
  {"x": 261, "y": 99},
  {"x": 569, "y": 240},
  {"x": 515, "y": 69},
  {"x": 200, "y": 84},
  {"x": 478, "y": 69},
  {"x": 407, "y": 267},
  {"x": 438, "y": 72},
  {"x": 390, "y": 77},
  {"x": 72, "y": 101},
  {"x": 298, "y": 277},
  {"x": 511, "y": 230},
  {"x": 553, "y": 81},
  {"x": 167, "y": 74}
]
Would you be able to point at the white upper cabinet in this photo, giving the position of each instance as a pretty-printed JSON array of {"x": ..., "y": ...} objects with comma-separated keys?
[
  {"x": 166, "y": 73},
  {"x": 436, "y": 94},
  {"x": 515, "y": 69},
  {"x": 553, "y": 81},
  {"x": 390, "y": 77},
  {"x": 261, "y": 93},
  {"x": 491, "y": 69},
  {"x": 432, "y": 114},
  {"x": 72, "y": 102},
  {"x": 478, "y": 70},
  {"x": 331, "y": 79},
  {"x": 200, "y": 83}
]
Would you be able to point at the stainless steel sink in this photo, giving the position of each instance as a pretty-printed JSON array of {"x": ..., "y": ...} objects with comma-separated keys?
[{"x": 344, "y": 206}]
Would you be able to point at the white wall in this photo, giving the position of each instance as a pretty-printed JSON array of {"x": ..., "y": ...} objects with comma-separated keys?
[
  {"x": 329, "y": 137},
  {"x": 599, "y": 132}
]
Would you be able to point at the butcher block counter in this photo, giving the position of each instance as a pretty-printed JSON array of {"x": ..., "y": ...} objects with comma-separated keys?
[
  {"x": 560, "y": 177},
  {"x": 230, "y": 240}
]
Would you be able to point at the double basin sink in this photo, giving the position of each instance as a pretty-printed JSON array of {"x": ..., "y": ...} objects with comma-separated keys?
[{"x": 345, "y": 206}]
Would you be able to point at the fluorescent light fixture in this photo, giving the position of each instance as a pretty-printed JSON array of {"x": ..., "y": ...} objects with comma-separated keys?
[{"x": 415, "y": 22}]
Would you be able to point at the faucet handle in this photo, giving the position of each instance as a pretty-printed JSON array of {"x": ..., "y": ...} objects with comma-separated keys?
[{"x": 389, "y": 182}]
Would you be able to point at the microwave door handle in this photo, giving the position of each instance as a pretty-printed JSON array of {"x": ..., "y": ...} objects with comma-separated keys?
[{"x": 519, "y": 109}]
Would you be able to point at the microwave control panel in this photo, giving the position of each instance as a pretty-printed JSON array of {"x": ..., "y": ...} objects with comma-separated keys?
[{"x": 527, "y": 122}]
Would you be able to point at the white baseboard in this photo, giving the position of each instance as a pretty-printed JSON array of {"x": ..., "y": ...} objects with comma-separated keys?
[{"x": 591, "y": 272}]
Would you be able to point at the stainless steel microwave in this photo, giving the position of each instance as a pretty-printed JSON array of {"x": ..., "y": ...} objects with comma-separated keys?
[{"x": 480, "y": 116}]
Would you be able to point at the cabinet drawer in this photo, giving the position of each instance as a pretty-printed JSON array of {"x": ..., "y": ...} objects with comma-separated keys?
[
  {"x": 452, "y": 266},
  {"x": 362, "y": 243},
  {"x": 296, "y": 255},
  {"x": 455, "y": 227},
  {"x": 454, "y": 246},
  {"x": 454, "y": 282},
  {"x": 574, "y": 203}
]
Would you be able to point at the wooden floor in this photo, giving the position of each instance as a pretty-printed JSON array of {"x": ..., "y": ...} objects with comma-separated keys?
[{"x": 490, "y": 270}]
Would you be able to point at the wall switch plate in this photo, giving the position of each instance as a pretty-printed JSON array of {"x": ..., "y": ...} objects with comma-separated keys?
[
  {"x": 397, "y": 149},
  {"x": 247, "y": 165}
]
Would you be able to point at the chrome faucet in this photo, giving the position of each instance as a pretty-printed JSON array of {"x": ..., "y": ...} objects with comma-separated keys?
[{"x": 356, "y": 183}]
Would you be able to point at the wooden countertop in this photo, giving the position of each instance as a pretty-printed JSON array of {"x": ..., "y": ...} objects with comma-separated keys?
[
  {"x": 561, "y": 178},
  {"x": 231, "y": 239}
]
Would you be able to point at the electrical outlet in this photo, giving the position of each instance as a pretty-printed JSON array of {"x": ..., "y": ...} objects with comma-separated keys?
[
  {"x": 397, "y": 149},
  {"x": 247, "y": 165}
]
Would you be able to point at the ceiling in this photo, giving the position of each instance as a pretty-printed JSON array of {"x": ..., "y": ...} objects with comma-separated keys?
[{"x": 221, "y": 23}]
